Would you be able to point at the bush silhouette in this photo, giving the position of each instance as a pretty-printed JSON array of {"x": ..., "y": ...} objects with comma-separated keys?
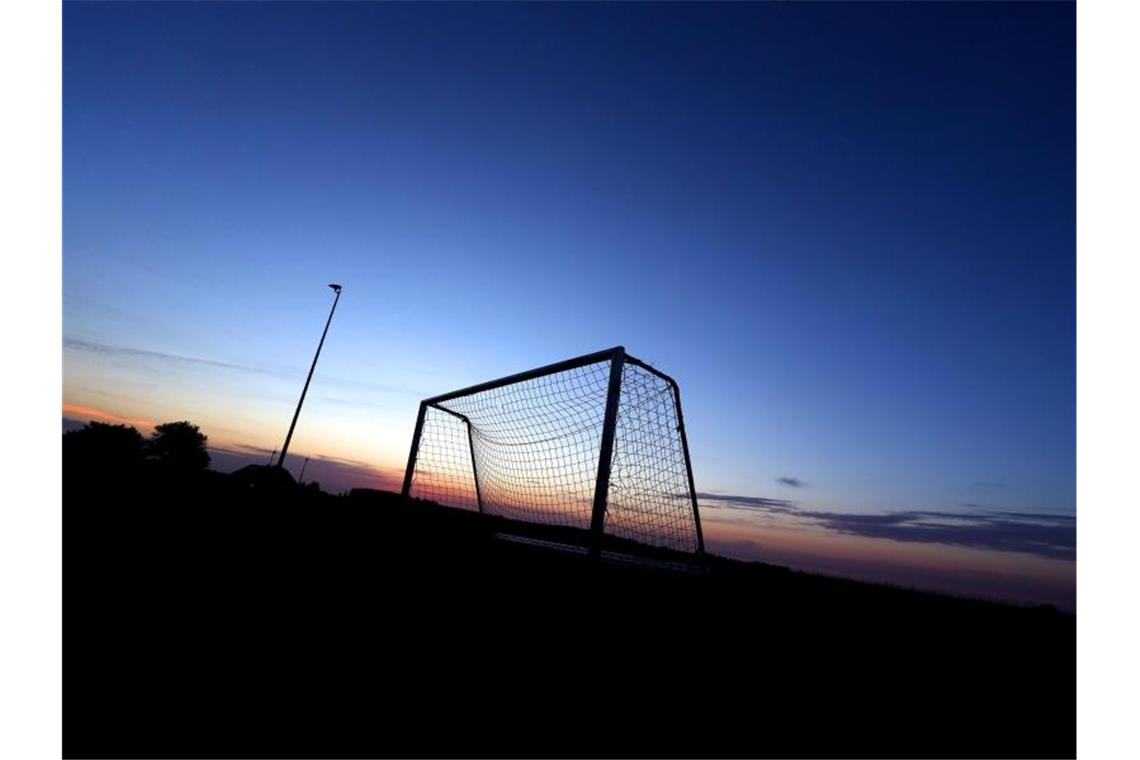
[{"x": 178, "y": 446}]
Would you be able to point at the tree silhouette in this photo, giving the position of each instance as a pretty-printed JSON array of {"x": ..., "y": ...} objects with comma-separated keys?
[
  {"x": 179, "y": 446},
  {"x": 100, "y": 445}
]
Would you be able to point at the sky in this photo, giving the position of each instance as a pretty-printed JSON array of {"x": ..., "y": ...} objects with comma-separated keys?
[{"x": 847, "y": 230}]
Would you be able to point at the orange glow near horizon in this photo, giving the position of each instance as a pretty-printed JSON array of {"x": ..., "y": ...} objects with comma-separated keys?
[
  {"x": 368, "y": 444},
  {"x": 339, "y": 471},
  {"x": 87, "y": 413}
]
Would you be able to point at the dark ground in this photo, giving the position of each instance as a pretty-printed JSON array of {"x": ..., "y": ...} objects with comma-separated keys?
[{"x": 207, "y": 618}]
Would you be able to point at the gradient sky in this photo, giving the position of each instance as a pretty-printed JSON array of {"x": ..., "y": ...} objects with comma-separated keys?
[{"x": 848, "y": 230}]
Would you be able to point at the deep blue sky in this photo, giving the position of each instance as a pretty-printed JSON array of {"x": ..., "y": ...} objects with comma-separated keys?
[{"x": 847, "y": 230}]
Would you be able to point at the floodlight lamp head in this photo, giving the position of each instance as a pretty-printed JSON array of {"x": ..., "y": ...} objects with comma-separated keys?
[{"x": 335, "y": 287}]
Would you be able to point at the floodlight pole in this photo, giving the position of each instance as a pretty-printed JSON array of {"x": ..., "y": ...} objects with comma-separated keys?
[{"x": 296, "y": 414}]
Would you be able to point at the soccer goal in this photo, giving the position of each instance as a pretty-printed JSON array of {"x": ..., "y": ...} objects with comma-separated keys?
[{"x": 596, "y": 443}]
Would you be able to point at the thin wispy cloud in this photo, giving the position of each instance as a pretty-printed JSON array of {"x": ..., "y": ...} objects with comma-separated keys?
[
  {"x": 791, "y": 482},
  {"x": 987, "y": 485},
  {"x": 750, "y": 502},
  {"x": 1044, "y": 534},
  {"x": 179, "y": 359},
  {"x": 140, "y": 353}
]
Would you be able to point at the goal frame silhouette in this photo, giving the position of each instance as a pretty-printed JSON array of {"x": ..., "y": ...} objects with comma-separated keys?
[{"x": 618, "y": 360}]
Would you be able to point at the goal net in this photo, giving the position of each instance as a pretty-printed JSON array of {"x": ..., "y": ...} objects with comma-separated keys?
[{"x": 595, "y": 443}]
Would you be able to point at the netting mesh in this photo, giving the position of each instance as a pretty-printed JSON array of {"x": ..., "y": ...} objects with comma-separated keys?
[
  {"x": 533, "y": 447},
  {"x": 649, "y": 497},
  {"x": 443, "y": 463}
]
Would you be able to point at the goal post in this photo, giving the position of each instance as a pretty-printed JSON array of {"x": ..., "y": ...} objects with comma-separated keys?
[{"x": 596, "y": 442}]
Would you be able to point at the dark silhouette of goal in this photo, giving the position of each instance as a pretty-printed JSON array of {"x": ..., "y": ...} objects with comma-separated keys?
[{"x": 596, "y": 442}]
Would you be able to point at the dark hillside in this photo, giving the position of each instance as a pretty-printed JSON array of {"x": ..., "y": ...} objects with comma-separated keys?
[{"x": 221, "y": 616}]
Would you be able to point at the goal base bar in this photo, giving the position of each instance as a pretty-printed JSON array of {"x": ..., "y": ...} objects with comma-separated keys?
[{"x": 612, "y": 557}]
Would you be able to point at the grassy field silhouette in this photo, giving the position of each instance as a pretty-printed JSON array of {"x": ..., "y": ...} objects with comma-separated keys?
[{"x": 211, "y": 615}]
